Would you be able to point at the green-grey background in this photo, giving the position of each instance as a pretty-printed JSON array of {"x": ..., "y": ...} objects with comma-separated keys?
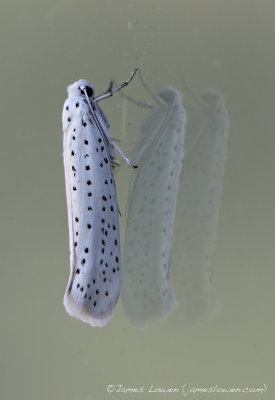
[{"x": 46, "y": 45}]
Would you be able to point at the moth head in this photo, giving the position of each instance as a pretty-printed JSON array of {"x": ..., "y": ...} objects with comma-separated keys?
[
  {"x": 169, "y": 95},
  {"x": 212, "y": 99},
  {"x": 80, "y": 87}
]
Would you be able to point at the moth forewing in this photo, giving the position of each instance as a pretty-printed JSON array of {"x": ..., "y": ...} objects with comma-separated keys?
[
  {"x": 94, "y": 283},
  {"x": 198, "y": 208},
  {"x": 146, "y": 292}
]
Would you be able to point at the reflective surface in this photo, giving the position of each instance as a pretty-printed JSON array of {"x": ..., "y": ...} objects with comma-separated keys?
[{"x": 227, "y": 46}]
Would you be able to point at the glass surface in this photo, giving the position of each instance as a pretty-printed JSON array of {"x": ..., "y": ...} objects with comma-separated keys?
[{"x": 224, "y": 45}]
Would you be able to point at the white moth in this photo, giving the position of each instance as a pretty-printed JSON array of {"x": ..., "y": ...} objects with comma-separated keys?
[
  {"x": 88, "y": 151},
  {"x": 145, "y": 288},
  {"x": 198, "y": 209}
]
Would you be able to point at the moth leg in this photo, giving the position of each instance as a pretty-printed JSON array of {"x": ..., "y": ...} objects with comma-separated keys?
[
  {"x": 129, "y": 162},
  {"x": 137, "y": 102},
  {"x": 110, "y": 88},
  {"x": 158, "y": 99},
  {"x": 140, "y": 103},
  {"x": 111, "y": 91}
]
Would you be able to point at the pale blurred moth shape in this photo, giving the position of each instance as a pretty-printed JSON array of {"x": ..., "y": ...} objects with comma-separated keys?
[
  {"x": 145, "y": 286},
  {"x": 89, "y": 156},
  {"x": 198, "y": 209},
  {"x": 151, "y": 265}
]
